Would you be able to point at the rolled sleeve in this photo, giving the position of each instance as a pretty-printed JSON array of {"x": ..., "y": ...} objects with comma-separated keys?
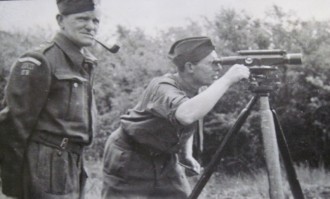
[{"x": 165, "y": 101}]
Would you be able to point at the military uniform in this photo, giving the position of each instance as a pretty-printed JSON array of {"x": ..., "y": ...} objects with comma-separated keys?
[
  {"x": 140, "y": 158},
  {"x": 51, "y": 104},
  {"x": 11, "y": 155}
]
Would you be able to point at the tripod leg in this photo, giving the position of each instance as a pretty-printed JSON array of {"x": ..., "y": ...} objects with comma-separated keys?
[
  {"x": 271, "y": 150},
  {"x": 286, "y": 156},
  {"x": 216, "y": 158}
]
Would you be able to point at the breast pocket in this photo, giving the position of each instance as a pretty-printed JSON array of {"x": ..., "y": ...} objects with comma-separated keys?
[{"x": 71, "y": 92}]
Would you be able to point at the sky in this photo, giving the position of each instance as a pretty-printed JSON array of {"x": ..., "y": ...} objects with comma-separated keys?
[{"x": 152, "y": 15}]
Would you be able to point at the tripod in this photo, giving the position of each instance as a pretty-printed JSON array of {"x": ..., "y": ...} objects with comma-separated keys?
[{"x": 274, "y": 142}]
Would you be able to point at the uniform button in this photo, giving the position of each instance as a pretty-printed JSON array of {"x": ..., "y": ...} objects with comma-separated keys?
[{"x": 75, "y": 85}]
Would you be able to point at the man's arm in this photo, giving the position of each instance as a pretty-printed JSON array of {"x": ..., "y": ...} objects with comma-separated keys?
[
  {"x": 187, "y": 160},
  {"x": 26, "y": 94},
  {"x": 198, "y": 106}
]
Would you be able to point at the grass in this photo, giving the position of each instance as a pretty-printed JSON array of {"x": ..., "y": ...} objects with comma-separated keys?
[{"x": 315, "y": 183}]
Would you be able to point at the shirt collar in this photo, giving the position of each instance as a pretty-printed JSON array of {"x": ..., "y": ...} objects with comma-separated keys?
[
  {"x": 88, "y": 56},
  {"x": 187, "y": 88},
  {"x": 75, "y": 54}
]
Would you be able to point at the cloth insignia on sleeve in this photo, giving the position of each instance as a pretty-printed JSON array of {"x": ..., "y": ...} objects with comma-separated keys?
[
  {"x": 28, "y": 64},
  {"x": 26, "y": 68},
  {"x": 30, "y": 59}
]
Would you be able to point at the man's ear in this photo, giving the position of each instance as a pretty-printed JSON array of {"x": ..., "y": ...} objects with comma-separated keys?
[
  {"x": 59, "y": 19},
  {"x": 189, "y": 67}
]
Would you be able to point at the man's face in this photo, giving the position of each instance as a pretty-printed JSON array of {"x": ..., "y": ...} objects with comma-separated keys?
[
  {"x": 81, "y": 28},
  {"x": 205, "y": 71}
]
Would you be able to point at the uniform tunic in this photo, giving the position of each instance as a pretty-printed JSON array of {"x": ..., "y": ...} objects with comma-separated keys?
[
  {"x": 51, "y": 103},
  {"x": 140, "y": 159}
]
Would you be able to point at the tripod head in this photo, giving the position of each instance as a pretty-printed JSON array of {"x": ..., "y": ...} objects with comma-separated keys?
[{"x": 262, "y": 64}]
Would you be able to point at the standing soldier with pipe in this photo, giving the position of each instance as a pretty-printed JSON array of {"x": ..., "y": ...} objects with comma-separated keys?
[{"x": 51, "y": 105}]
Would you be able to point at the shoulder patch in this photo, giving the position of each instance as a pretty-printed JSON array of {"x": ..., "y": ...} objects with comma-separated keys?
[
  {"x": 26, "y": 68},
  {"x": 27, "y": 64},
  {"x": 30, "y": 59}
]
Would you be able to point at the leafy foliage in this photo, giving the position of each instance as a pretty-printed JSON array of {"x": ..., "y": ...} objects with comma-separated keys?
[{"x": 301, "y": 101}]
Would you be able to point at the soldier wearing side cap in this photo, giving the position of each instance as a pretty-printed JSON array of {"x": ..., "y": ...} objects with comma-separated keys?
[
  {"x": 51, "y": 104},
  {"x": 143, "y": 158}
]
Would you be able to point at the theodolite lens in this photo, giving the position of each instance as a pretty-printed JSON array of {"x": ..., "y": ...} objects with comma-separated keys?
[{"x": 293, "y": 59}]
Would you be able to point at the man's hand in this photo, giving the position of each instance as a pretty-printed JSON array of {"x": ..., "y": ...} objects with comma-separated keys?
[
  {"x": 191, "y": 165},
  {"x": 4, "y": 114},
  {"x": 236, "y": 73}
]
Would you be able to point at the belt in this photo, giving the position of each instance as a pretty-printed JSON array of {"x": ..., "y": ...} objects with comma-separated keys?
[
  {"x": 59, "y": 142},
  {"x": 138, "y": 147}
]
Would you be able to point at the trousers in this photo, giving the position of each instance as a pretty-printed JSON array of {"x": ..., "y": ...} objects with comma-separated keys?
[
  {"x": 129, "y": 173},
  {"x": 52, "y": 174}
]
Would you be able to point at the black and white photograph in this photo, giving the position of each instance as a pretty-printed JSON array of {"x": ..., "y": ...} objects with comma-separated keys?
[{"x": 164, "y": 99}]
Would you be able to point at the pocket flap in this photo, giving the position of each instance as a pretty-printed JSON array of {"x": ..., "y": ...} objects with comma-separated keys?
[{"x": 62, "y": 76}]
